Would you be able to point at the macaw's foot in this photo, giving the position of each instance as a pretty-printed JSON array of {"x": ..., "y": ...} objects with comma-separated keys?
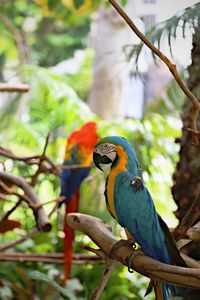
[
  {"x": 120, "y": 243},
  {"x": 131, "y": 257}
]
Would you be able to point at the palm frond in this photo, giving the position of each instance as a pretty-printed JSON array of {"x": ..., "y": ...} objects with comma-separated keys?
[
  {"x": 168, "y": 103},
  {"x": 189, "y": 18}
]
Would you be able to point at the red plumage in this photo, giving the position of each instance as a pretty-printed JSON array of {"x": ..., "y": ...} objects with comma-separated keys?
[
  {"x": 72, "y": 206},
  {"x": 79, "y": 150},
  {"x": 86, "y": 136}
]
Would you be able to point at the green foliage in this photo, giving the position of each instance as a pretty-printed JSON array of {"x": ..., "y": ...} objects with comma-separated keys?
[
  {"x": 45, "y": 30},
  {"x": 54, "y": 105},
  {"x": 53, "y": 33},
  {"x": 81, "y": 78},
  {"x": 67, "y": 293},
  {"x": 168, "y": 103}
]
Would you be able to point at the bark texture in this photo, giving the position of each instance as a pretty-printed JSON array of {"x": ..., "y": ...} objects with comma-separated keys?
[{"x": 187, "y": 175}]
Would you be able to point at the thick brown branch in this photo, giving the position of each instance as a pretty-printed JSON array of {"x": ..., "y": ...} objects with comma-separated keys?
[
  {"x": 188, "y": 220},
  {"x": 103, "y": 238},
  {"x": 11, "y": 88},
  {"x": 172, "y": 67},
  {"x": 41, "y": 217}
]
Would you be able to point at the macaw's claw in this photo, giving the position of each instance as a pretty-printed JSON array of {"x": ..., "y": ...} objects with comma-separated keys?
[
  {"x": 120, "y": 243},
  {"x": 131, "y": 257}
]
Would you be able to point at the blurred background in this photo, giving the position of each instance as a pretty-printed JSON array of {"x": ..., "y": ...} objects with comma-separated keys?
[{"x": 80, "y": 62}]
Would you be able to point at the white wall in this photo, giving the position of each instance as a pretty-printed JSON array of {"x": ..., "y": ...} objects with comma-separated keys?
[{"x": 163, "y": 9}]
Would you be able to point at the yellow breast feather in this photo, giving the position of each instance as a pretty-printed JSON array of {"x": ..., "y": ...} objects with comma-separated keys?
[{"x": 119, "y": 167}]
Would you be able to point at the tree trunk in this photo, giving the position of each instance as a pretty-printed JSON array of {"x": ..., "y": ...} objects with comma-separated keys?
[
  {"x": 110, "y": 64},
  {"x": 187, "y": 175}
]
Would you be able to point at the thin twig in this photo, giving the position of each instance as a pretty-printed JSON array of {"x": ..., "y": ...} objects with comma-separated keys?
[
  {"x": 42, "y": 158},
  {"x": 28, "y": 234},
  {"x": 188, "y": 220},
  {"x": 192, "y": 263},
  {"x": 12, "y": 209},
  {"x": 11, "y": 88},
  {"x": 32, "y": 160},
  {"x": 4, "y": 198},
  {"x": 19, "y": 240},
  {"x": 172, "y": 67},
  {"x": 53, "y": 258},
  {"x": 18, "y": 38},
  {"x": 194, "y": 232},
  {"x": 35, "y": 160},
  {"x": 110, "y": 264}
]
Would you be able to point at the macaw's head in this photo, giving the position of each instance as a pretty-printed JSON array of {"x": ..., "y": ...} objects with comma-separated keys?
[
  {"x": 82, "y": 141},
  {"x": 109, "y": 149}
]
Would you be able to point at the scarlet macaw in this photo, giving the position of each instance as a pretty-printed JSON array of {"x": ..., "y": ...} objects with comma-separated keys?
[
  {"x": 78, "y": 151},
  {"x": 131, "y": 204}
]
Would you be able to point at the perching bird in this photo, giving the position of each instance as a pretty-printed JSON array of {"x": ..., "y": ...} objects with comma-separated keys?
[
  {"x": 78, "y": 151},
  {"x": 131, "y": 204}
]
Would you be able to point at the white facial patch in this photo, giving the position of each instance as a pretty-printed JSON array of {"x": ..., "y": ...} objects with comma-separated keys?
[{"x": 105, "y": 149}]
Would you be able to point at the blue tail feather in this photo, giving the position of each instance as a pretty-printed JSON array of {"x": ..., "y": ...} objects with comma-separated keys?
[{"x": 168, "y": 291}]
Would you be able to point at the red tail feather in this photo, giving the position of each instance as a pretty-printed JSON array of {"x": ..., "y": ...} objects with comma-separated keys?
[{"x": 71, "y": 206}]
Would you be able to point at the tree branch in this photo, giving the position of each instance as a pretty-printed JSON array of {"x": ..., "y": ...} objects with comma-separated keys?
[
  {"x": 11, "y": 88},
  {"x": 172, "y": 67},
  {"x": 194, "y": 232},
  {"x": 103, "y": 238},
  {"x": 35, "y": 160},
  {"x": 110, "y": 264},
  {"x": 18, "y": 39},
  {"x": 188, "y": 220},
  {"x": 40, "y": 215},
  {"x": 28, "y": 235},
  {"x": 42, "y": 158},
  {"x": 52, "y": 258}
]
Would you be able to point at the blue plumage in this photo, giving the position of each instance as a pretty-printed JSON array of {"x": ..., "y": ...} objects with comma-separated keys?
[
  {"x": 132, "y": 206},
  {"x": 71, "y": 180},
  {"x": 135, "y": 211}
]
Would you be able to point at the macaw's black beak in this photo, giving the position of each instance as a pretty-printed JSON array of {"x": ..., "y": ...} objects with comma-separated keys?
[{"x": 100, "y": 159}]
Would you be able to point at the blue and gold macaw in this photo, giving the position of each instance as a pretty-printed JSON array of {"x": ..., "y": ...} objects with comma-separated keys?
[
  {"x": 131, "y": 204},
  {"x": 78, "y": 151}
]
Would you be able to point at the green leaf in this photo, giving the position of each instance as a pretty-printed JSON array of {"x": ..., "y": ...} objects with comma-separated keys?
[
  {"x": 65, "y": 292},
  {"x": 123, "y": 2}
]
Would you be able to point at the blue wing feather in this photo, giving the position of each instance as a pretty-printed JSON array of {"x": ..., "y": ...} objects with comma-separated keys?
[
  {"x": 135, "y": 211},
  {"x": 71, "y": 180}
]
